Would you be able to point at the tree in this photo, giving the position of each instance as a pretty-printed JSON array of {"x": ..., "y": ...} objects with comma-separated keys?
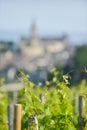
[{"x": 80, "y": 63}]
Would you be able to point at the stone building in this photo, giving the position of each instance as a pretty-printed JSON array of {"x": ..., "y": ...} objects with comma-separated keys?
[{"x": 35, "y": 45}]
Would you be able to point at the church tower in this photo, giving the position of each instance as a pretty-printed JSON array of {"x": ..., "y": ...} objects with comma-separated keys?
[{"x": 34, "y": 38}]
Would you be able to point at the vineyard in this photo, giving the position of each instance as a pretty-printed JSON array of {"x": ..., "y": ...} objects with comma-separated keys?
[{"x": 54, "y": 106}]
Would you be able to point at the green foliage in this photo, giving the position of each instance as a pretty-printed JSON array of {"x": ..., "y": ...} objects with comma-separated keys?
[
  {"x": 56, "y": 113},
  {"x": 3, "y": 109},
  {"x": 81, "y": 90},
  {"x": 52, "y": 104}
]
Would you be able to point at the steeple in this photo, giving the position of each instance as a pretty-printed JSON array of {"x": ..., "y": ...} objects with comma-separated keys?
[
  {"x": 34, "y": 37},
  {"x": 33, "y": 30}
]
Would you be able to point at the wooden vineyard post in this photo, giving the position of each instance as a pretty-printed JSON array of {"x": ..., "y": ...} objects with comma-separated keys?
[
  {"x": 36, "y": 121},
  {"x": 33, "y": 122},
  {"x": 42, "y": 98},
  {"x": 10, "y": 117},
  {"x": 81, "y": 112},
  {"x": 15, "y": 94},
  {"x": 17, "y": 116},
  {"x": 75, "y": 104}
]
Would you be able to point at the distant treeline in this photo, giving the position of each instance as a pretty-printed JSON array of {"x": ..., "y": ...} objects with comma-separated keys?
[
  {"x": 6, "y": 45},
  {"x": 76, "y": 67}
]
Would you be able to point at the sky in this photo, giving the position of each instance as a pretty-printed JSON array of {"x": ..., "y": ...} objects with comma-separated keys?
[{"x": 51, "y": 16}]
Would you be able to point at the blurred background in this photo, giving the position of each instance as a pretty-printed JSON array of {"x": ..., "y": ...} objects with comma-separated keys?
[{"x": 36, "y": 36}]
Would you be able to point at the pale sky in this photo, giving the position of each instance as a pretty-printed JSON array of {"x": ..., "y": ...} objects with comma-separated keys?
[{"x": 51, "y": 16}]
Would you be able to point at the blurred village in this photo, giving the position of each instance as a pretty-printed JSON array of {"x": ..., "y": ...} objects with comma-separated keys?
[{"x": 35, "y": 55}]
